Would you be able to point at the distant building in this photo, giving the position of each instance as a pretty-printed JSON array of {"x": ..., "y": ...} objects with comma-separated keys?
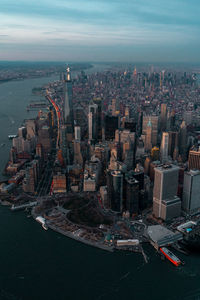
[
  {"x": 183, "y": 140},
  {"x": 163, "y": 117},
  {"x": 98, "y": 102},
  {"x": 92, "y": 122},
  {"x": 148, "y": 137},
  {"x": 154, "y": 123}
]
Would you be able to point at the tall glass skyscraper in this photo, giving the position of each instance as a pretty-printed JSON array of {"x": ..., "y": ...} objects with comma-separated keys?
[{"x": 68, "y": 95}]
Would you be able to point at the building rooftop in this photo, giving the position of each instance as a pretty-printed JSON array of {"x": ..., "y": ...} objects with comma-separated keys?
[
  {"x": 162, "y": 236},
  {"x": 166, "y": 167}
]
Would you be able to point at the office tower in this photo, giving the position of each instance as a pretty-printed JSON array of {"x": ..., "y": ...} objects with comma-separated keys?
[
  {"x": 77, "y": 130},
  {"x": 127, "y": 112},
  {"x": 155, "y": 153},
  {"x": 22, "y": 132},
  {"x": 194, "y": 158},
  {"x": 79, "y": 116},
  {"x": 132, "y": 195},
  {"x": 44, "y": 138},
  {"x": 138, "y": 174},
  {"x": 172, "y": 119},
  {"x": 92, "y": 122},
  {"x": 152, "y": 167},
  {"x": 13, "y": 155},
  {"x": 148, "y": 137},
  {"x": 154, "y": 123},
  {"x": 31, "y": 177},
  {"x": 147, "y": 165},
  {"x": 111, "y": 124},
  {"x": 98, "y": 102},
  {"x": 163, "y": 117},
  {"x": 17, "y": 143},
  {"x": 164, "y": 147},
  {"x": 166, "y": 205},
  {"x": 68, "y": 94},
  {"x": 191, "y": 191},
  {"x": 59, "y": 183},
  {"x": 78, "y": 158},
  {"x": 115, "y": 190},
  {"x": 130, "y": 126},
  {"x": 115, "y": 107},
  {"x": 140, "y": 123},
  {"x": 39, "y": 151},
  {"x": 183, "y": 140},
  {"x": 92, "y": 174},
  {"x": 124, "y": 135},
  {"x": 173, "y": 143},
  {"x": 168, "y": 124},
  {"x": 139, "y": 149},
  {"x": 31, "y": 128},
  {"x": 60, "y": 160}
]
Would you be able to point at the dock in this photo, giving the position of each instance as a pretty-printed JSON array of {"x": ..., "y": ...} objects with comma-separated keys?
[{"x": 22, "y": 206}]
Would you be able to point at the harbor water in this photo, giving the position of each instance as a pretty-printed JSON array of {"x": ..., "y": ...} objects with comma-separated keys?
[{"x": 37, "y": 264}]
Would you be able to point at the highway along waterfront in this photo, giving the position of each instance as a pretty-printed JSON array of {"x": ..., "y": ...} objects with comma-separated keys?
[{"x": 39, "y": 264}]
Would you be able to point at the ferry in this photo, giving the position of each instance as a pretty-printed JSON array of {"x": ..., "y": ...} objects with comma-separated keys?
[
  {"x": 41, "y": 220},
  {"x": 170, "y": 256}
]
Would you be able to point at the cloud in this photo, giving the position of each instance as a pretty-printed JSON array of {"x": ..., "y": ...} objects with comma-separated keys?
[{"x": 137, "y": 24}]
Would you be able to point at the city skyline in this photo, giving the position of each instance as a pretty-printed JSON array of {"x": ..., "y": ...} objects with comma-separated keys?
[{"x": 100, "y": 31}]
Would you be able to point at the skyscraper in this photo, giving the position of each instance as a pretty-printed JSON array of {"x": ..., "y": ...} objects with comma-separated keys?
[
  {"x": 98, "y": 102},
  {"x": 183, "y": 140},
  {"x": 163, "y": 117},
  {"x": 68, "y": 94},
  {"x": 154, "y": 123},
  {"x": 115, "y": 190},
  {"x": 166, "y": 204},
  {"x": 132, "y": 195},
  {"x": 173, "y": 142},
  {"x": 191, "y": 191},
  {"x": 92, "y": 122},
  {"x": 148, "y": 137},
  {"x": 164, "y": 147},
  {"x": 194, "y": 158},
  {"x": 111, "y": 124}
]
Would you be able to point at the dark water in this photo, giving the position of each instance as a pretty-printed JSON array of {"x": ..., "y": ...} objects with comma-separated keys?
[{"x": 37, "y": 264}]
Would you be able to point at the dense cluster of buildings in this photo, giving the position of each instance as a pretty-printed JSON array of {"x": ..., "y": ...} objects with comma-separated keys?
[
  {"x": 133, "y": 137},
  {"x": 29, "y": 153}
]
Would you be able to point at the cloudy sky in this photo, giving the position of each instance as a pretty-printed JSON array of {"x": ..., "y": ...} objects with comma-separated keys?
[{"x": 100, "y": 30}]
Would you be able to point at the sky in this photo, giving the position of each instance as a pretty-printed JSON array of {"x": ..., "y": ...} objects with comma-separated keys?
[{"x": 100, "y": 30}]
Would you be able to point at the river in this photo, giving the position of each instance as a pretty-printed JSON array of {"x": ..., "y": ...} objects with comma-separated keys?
[{"x": 37, "y": 264}]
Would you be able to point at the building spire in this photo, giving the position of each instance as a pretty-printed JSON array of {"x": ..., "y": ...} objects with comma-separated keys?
[{"x": 68, "y": 74}]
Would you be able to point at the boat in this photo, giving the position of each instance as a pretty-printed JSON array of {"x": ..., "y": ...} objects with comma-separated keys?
[
  {"x": 170, "y": 256},
  {"x": 12, "y": 136},
  {"x": 42, "y": 220}
]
